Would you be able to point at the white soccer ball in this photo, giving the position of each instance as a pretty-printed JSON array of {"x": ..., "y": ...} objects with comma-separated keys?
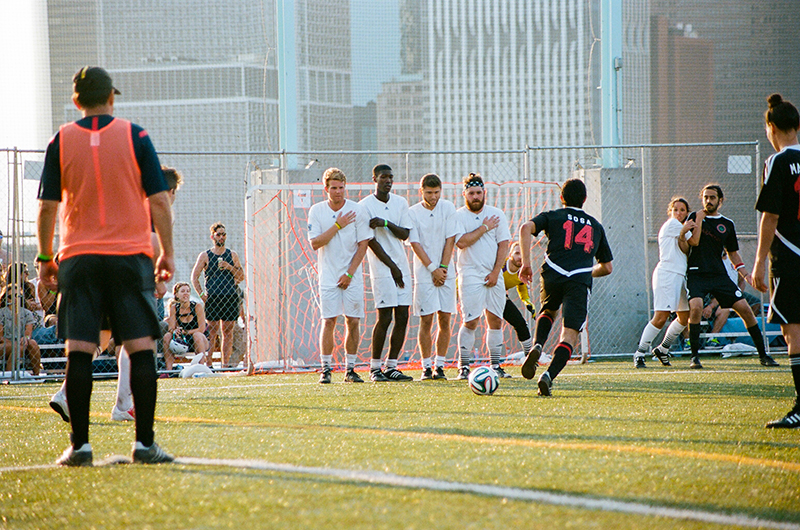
[
  {"x": 484, "y": 381},
  {"x": 178, "y": 347}
]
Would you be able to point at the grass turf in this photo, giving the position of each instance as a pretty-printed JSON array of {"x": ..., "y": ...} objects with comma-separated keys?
[{"x": 672, "y": 438}]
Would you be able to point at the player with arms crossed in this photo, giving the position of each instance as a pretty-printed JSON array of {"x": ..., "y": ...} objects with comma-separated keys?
[
  {"x": 706, "y": 274},
  {"x": 669, "y": 284},
  {"x": 432, "y": 238},
  {"x": 389, "y": 273},
  {"x": 575, "y": 241},
  {"x": 779, "y": 236},
  {"x": 482, "y": 244},
  {"x": 338, "y": 230}
]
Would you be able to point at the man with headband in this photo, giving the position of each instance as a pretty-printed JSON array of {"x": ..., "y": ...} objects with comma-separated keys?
[{"x": 482, "y": 241}]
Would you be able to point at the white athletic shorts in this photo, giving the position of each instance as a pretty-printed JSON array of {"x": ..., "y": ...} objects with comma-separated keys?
[
  {"x": 429, "y": 299},
  {"x": 386, "y": 293},
  {"x": 669, "y": 291},
  {"x": 474, "y": 297},
  {"x": 349, "y": 302}
]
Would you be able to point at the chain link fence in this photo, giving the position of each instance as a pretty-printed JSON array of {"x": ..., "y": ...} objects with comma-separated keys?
[{"x": 271, "y": 319}]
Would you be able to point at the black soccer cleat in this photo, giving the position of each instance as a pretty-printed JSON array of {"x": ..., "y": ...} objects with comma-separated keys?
[
  {"x": 531, "y": 362},
  {"x": 150, "y": 455},
  {"x": 502, "y": 374},
  {"x": 463, "y": 373},
  {"x": 427, "y": 374},
  {"x": 73, "y": 458},
  {"x": 376, "y": 376},
  {"x": 393, "y": 374},
  {"x": 325, "y": 377},
  {"x": 352, "y": 377},
  {"x": 695, "y": 364},
  {"x": 766, "y": 360},
  {"x": 438, "y": 374},
  {"x": 790, "y": 421},
  {"x": 661, "y": 355},
  {"x": 638, "y": 361},
  {"x": 545, "y": 384}
]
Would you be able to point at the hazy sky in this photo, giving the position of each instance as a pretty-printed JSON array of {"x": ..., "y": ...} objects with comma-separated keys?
[{"x": 25, "y": 89}]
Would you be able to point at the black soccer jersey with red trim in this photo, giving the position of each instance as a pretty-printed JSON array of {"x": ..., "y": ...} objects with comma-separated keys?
[
  {"x": 574, "y": 240},
  {"x": 781, "y": 195},
  {"x": 718, "y": 235}
]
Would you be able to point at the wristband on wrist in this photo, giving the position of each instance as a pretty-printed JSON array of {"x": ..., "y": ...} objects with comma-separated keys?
[
  {"x": 43, "y": 258},
  {"x": 739, "y": 266},
  {"x": 348, "y": 275},
  {"x": 202, "y": 294},
  {"x": 338, "y": 226},
  {"x": 485, "y": 226},
  {"x": 431, "y": 267},
  {"x": 386, "y": 223},
  {"x": 443, "y": 266}
]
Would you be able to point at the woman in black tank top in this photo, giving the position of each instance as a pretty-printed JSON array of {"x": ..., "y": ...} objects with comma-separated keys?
[{"x": 187, "y": 324}]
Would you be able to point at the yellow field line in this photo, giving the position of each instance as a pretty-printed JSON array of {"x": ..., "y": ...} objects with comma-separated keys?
[{"x": 512, "y": 442}]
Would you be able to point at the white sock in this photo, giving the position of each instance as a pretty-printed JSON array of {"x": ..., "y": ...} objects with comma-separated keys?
[
  {"x": 494, "y": 343},
  {"x": 326, "y": 361},
  {"x": 374, "y": 364},
  {"x": 124, "y": 394},
  {"x": 527, "y": 346},
  {"x": 466, "y": 341},
  {"x": 648, "y": 334},
  {"x": 351, "y": 361},
  {"x": 391, "y": 364},
  {"x": 673, "y": 332},
  {"x": 440, "y": 359},
  {"x": 426, "y": 363}
]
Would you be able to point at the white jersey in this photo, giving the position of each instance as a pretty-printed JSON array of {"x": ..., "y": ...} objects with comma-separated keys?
[
  {"x": 394, "y": 210},
  {"x": 431, "y": 229},
  {"x": 335, "y": 257},
  {"x": 670, "y": 256},
  {"x": 477, "y": 261}
]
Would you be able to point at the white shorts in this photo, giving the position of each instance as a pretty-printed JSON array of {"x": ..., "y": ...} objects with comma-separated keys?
[
  {"x": 474, "y": 297},
  {"x": 669, "y": 291},
  {"x": 349, "y": 302},
  {"x": 429, "y": 299},
  {"x": 386, "y": 293}
]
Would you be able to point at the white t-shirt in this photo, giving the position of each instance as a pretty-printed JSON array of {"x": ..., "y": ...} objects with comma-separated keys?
[
  {"x": 334, "y": 258},
  {"x": 477, "y": 261},
  {"x": 431, "y": 228},
  {"x": 670, "y": 256},
  {"x": 396, "y": 211}
]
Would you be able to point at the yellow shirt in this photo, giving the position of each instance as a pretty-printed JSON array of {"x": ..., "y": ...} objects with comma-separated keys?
[{"x": 512, "y": 280}]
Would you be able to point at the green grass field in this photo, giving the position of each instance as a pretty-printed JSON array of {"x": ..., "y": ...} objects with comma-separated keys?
[{"x": 612, "y": 448}]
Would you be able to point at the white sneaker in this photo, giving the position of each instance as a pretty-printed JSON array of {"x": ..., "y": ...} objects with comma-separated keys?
[
  {"x": 117, "y": 414},
  {"x": 59, "y": 404}
]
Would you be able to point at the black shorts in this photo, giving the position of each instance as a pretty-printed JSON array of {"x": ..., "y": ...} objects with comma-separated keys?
[
  {"x": 94, "y": 287},
  {"x": 222, "y": 307},
  {"x": 720, "y": 287},
  {"x": 784, "y": 294},
  {"x": 572, "y": 295}
]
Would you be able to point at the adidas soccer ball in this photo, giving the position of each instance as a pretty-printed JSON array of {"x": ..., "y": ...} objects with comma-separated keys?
[{"x": 483, "y": 381}]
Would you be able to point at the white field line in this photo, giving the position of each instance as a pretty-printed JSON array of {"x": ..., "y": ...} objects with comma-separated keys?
[{"x": 518, "y": 494}]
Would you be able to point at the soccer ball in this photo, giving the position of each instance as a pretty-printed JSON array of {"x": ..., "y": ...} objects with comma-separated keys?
[{"x": 483, "y": 381}]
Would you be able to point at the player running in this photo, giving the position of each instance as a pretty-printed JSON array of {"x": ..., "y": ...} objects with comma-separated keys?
[
  {"x": 575, "y": 241},
  {"x": 669, "y": 284},
  {"x": 706, "y": 274},
  {"x": 482, "y": 249},
  {"x": 432, "y": 238},
  {"x": 779, "y": 235}
]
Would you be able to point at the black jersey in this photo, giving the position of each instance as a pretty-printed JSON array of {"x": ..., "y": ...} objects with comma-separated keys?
[
  {"x": 781, "y": 195},
  {"x": 575, "y": 239},
  {"x": 718, "y": 235}
]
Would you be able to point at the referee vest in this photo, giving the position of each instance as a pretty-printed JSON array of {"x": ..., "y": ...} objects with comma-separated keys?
[{"x": 104, "y": 208}]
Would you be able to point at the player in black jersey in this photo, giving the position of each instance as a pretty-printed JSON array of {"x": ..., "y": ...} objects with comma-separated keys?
[
  {"x": 779, "y": 235},
  {"x": 707, "y": 274},
  {"x": 575, "y": 241}
]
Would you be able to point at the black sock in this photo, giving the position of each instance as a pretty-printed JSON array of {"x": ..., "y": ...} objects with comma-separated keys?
[
  {"x": 794, "y": 362},
  {"x": 79, "y": 395},
  {"x": 694, "y": 338},
  {"x": 543, "y": 325},
  {"x": 758, "y": 339},
  {"x": 144, "y": 388},
  {"x": 560, "y": 357}
]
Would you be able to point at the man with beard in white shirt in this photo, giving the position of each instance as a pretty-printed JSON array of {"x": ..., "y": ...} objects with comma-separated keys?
[
  {"x": 433, "y": 234},
  {"x": 389, "y": 273},
  {"x": 482, "y": 242},
  {"x": 338, "y": 230}
]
